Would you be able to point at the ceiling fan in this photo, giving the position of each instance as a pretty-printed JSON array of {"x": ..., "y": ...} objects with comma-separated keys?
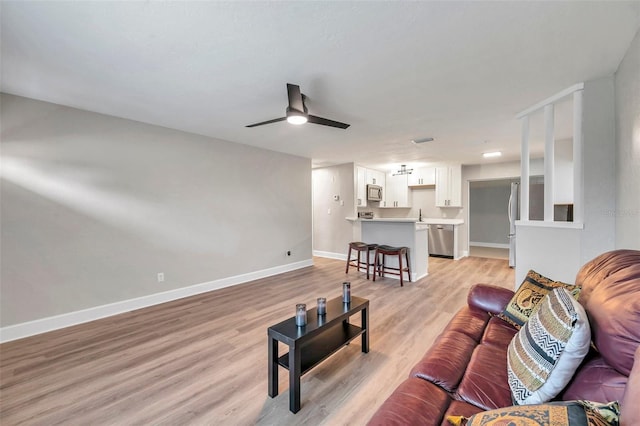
[{"x": 297, "y": 112}]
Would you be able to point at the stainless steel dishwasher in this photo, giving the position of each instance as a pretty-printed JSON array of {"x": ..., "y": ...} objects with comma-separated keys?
[{"x": 441, "y": 241}]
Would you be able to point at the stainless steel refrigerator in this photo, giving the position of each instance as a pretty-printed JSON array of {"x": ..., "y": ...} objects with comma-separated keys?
[
  {"x": 514, "y": 214},
  {"x": 536, "y": 210}
]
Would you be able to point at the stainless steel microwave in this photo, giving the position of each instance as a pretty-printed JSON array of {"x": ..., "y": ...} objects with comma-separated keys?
[{"x": 374, "y": 193}]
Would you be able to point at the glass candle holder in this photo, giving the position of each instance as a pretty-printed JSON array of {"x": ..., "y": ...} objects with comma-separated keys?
[
  {"x": 322, "y": 305},
  {"x": 346, "y": 292},
  {"x": 301, "y": 314}
]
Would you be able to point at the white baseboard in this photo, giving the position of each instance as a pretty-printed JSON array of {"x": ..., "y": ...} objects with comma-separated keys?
[
  {"x": 330, "y": 255},
  {"x": 489, "y": 245},
  {"x": 30, "y": 328}
]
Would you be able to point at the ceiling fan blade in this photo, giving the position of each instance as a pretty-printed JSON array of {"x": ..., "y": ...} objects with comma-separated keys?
[
  {"x": 275, "y": 120},
  {"x": 326, "y": 122},
  {"x": 295, "y": 97}
]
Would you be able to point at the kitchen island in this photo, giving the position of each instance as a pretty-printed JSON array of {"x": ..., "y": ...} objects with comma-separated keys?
[{"x": 399, "y": 232}]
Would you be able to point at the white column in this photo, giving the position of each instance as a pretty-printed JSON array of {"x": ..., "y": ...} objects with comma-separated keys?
[
  {"x": 524, "y": 170},
  {"x": 548, "y": 162},
  {"x": 578, "y": 194}
]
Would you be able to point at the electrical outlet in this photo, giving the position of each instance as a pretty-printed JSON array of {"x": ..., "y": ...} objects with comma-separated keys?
[
  {"x": 328, "y": 211},
  {"x": 289, "y": 253},
  {"x": 160, "y": 277}
]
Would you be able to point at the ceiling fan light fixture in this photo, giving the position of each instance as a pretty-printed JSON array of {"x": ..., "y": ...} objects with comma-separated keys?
[
  {"x": 296, "y": 119},
  {"x": 297, "y": 112}
]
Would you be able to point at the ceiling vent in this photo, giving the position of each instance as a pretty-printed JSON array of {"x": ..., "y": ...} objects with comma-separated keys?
[{"x": 421, "y": 140}]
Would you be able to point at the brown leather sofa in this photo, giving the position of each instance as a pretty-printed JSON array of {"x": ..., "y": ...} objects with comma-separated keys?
[{"x": 465, "y": 371}]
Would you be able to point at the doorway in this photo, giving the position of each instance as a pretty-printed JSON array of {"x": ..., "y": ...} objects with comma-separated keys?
[{"x": 489, "y": 218}]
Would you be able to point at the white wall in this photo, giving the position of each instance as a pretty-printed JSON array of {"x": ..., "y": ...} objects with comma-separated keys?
[
  {"x": 627, "y": 210},
  {"x": 599, "y": 181},
  {"x": 554, "y": 253},
  {"x": 93, "y": 207},
  {"x": 559, "y": 253},
  {"x": 332, "y": 233}
]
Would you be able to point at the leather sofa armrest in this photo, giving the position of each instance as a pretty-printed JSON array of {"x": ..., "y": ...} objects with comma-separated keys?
[
  {"x": 630, "y": 410},
  {"x": 489, "y": 298}
]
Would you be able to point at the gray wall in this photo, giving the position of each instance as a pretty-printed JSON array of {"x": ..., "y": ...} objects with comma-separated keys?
[
  {"x": 93, "y": 207},
  {"x": 331, "y": 231},
  {"x": 627, "y": 87},
  {"x": 488, "y": 212}
]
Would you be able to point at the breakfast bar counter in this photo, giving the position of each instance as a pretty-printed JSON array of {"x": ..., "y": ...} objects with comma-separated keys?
[{"x": 399, "y": 232}]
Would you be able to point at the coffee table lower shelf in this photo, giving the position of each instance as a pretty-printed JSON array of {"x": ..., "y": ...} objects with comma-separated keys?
[{"x": 323, "y": 346}]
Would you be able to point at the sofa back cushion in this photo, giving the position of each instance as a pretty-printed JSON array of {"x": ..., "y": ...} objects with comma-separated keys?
[{"x": 611, "y": 296}]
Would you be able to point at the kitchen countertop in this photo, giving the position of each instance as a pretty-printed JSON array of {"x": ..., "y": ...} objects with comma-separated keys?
[
  {"x": 427, "y": 221},
  {"x": 385, "y": 219},
  {"x": 441, "y": 221}
]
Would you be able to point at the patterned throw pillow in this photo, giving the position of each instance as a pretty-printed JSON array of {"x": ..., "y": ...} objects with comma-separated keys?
[
  {"x": 543, "y": 356},
  {"x": 527, "y": 299},
  {"x": 565, "y": 413}
]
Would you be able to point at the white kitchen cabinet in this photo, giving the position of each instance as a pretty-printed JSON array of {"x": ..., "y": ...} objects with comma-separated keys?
[
  {"x": 366, "y": 177},
  {"x": 396, "y": 192},
  {"x": 423, "y": 176},
  {"x": 449, "y": 186},
  {"x": 361, "y": 186},
  {"x": 374, "y": 177}
]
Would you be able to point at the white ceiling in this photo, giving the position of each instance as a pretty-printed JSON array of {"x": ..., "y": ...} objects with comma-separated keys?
[{"x": 455, "y": 71}]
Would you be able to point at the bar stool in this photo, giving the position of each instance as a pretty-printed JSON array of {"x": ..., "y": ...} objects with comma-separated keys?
[
  {"x": 381, "y": 268},
  {"x": 357, "y": 262}
]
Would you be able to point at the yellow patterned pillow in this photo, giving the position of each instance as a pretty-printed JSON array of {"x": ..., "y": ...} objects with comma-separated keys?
[
  {"x": 565, "y": 413},
  {"x": 528, "y": 296}
]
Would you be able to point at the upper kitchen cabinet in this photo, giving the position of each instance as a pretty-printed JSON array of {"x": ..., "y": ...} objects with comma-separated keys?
[
  {"x": 375, "y": 177},
  {"x": 449, "y": 186},
  {"x": 396, "y": 192},
  {"x": 361, "y": 186},
  {"x": 423, "y": 176},
  {"x": 366, "y": 177}
]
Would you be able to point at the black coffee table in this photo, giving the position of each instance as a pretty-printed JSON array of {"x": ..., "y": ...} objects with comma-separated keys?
[{"x": 315, "y": 342}]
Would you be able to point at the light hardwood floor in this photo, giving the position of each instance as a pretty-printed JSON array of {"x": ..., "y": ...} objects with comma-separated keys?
[
  {"x": 203, "y": 359},
  {"x": 490, "y": 252}
]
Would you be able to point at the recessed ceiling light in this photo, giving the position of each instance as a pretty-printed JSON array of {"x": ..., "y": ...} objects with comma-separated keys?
[
  {"x": 492, "y": 154},
  {"x": 421, "y": 140}
]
